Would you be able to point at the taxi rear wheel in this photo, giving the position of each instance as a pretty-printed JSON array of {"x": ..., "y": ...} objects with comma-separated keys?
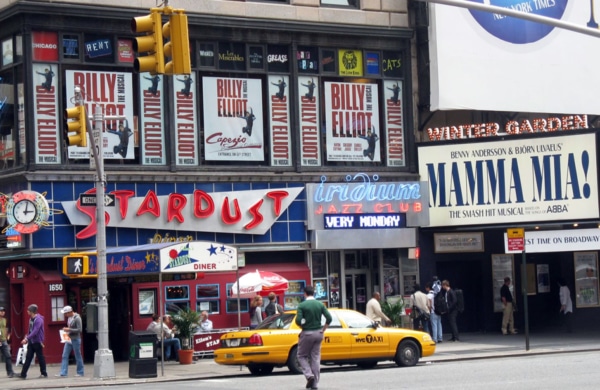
[
  {"x": 407, "y": 354},
  {"x": 293, "y": 363},
  {"x": 260, "y": 369}
]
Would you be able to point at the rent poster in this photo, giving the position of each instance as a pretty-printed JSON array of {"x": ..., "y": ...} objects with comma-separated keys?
[
  {"x": 152, "y": 119},
  {"x": 352, "y": 122},
  {"x": 279, "y": 116},
  {"x": 186, "y": 134},
  {"x": 233, "y": 119},
  {"x": 46, "y": 114},
  {"x": 394, "y": 123},
  {"x": 310, "y": 124},
  {"x": 111, "y": 91}
]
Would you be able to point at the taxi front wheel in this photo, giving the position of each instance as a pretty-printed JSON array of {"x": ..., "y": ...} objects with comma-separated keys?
[{"x": 407, "y": 354}]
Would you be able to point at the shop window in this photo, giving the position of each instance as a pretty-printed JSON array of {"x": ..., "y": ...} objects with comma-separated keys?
[
  {"x": 372, "y": 63},
  {"x": 206, "y": 53},
  {"x": 125, "y": 51},
  {"x": 328, "y": 60},
  {"x": 256, "y": 57},
  {"x": 57, "y": 304},
  {"x": 278, "y": 59},
  {"x": 294, "y": 294},
  {"x": 207, "y": 296},
  {"x": 147, "y": 302},
  {"x": 232, "y": 56},
  {"x": 232, "y": 302},
  {"x": 99, "y": 49},
  {"x": 70, "y": 47},
  {"x": 346, "y": 3},
  {"x": 8, "y": 134},
  {"x": 308, "y": 59},
  {"x": 7, "y": 52},
  {"x": 177, "y": 297},
  {"x": 392, "y": 64}
]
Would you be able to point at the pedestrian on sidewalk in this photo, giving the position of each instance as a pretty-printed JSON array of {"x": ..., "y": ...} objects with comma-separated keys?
[
  {"x": 435, "y": 320},
  {"x": 308, "y": 317},
  {"x": 508, "y": 320},
  {"x": 35, "y": 342},
  {"x": 566, "y": 304},
  {"x": 421, "y": 305},
  {"x": 4, "y": 339},
  {"x": 452, "y": 309},
  {"x": 73, "y": 328}
]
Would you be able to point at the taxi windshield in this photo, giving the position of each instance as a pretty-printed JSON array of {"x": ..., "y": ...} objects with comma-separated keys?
[{"x": 277, "y": 321}]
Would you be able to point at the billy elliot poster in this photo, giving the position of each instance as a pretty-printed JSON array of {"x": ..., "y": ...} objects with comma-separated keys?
[
  {"x": 46, "y": 114},
  {"x": 279, "y": 121},
  {"x": 233, "y": 119},
  {"x": 112, "y": 91},
  {"x": 186, "y": 134},
  {"x": 152, "y": 119},
  {"x": 310, "y": 124},
  {"x": 352, "y": 122}
]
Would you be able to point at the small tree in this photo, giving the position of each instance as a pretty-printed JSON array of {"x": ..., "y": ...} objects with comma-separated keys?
[
  {"x": 393, "y": 308},
  {"x": 186, "y": 321}
]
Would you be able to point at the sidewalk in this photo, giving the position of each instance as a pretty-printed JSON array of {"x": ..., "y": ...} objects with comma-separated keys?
[{"x": 471, "y": 346}]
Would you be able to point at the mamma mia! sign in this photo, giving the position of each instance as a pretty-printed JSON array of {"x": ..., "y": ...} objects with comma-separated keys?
[{"x": 525, "y": 180}]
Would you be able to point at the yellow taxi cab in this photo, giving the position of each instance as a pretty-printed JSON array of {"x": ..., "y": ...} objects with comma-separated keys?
[{"x": 352, "y": 338}]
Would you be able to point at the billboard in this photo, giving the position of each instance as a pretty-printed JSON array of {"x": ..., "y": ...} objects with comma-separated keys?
[
  {"x": 486, "y": 61},
  {"x": 506, "y": 182}
]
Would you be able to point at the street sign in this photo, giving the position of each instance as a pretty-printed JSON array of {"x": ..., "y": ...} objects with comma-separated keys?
[
  {"x": 97, "y": 144},
  {"x": 90, "y": 199},
  {"x": 516, "y": 239}
]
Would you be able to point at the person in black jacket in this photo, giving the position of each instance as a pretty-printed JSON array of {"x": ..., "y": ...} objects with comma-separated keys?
[{"x": 452, "y": 309}]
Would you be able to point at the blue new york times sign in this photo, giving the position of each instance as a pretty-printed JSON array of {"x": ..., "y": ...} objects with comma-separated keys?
[{"x": 365, "y": 221}]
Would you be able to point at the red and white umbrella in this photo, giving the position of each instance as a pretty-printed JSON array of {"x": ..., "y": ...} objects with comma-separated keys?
[{"x": 259, "y": 283}]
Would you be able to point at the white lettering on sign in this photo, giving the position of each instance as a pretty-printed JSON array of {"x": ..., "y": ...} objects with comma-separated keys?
[
  {"x": 339, "y": 221},
  {"x": 54, "y": 287},
  {"x": 525, "y": 126},
  {"x": 380, "y": 221}
]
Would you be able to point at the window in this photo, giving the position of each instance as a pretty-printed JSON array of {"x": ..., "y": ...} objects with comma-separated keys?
[
  {"x": 232, "y": 302},
  {"x": 348, "y": 3},
  {"x": 207, "y": 296},
  {"x": 147, "y": 302},
  {"x": 177, "y": 297},
  {"x": 57, "y": 303}
]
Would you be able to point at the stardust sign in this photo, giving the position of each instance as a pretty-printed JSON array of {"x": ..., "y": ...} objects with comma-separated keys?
[
  {"x": 198, "y": 256},
  {"x": 542, "y": 179}
]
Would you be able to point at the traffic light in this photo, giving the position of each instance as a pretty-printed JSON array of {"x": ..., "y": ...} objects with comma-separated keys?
[
  {"x": 77, "y": 126},
  {"x": 76, "y": 265},
  {"x": 151, "y": 43},
  {"x": 177, "y": 49}
]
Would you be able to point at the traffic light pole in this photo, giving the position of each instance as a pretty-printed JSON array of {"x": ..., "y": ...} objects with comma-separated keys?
[{"x": 104, "y": 366}]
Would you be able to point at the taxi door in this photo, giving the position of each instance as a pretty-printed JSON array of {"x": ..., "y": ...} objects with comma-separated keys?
[
  {"x": 366, "y": 341},
  {"x": 336, "y": 341}
]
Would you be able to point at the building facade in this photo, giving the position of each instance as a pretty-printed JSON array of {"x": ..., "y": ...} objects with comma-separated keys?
[{"x": 292, "y": 140}]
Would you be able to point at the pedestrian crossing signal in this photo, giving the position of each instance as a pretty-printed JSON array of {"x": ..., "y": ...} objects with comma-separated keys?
[{"x": 76, "y": 265}]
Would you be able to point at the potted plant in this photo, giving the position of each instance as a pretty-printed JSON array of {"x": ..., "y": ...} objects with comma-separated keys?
[
  {"x": 393, "y": 308},
  {"x": 186, "y": 321}
]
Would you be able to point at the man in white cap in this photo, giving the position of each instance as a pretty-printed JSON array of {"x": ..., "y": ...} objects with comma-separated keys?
[
  {"x": 73, "y": 328},
  {"x": 4, "y": 339}
]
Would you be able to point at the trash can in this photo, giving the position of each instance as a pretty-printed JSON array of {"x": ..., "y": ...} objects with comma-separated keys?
[{"x": 142, "y": 360}]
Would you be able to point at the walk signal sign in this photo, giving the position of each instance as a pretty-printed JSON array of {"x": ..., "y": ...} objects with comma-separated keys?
[{"x": 76, "y": 265}]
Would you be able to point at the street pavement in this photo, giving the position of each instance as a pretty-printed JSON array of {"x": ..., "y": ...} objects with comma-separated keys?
[{"x": 471, "y": 346}]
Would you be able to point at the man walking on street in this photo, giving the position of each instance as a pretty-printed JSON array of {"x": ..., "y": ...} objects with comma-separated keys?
[
  {"x": 452, "y": 309},
  {"x": 73, "y": 328},
  {"x": 4, "y": 339},
  {"x": 35, "y": 342},
  {"x": 374, "y": 311},
  {"x": 308, "y": 317},
  {"x": 508, "y": 321}
]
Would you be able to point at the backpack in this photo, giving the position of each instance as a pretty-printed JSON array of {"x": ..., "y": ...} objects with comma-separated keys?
[
  {"x": 460, "y": 300},
  {"x": 441, "y": 306}
]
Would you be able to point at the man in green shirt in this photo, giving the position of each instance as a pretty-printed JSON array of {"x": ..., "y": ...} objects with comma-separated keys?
[
  {"x": 308, "y": 317},
  {"x": 4, "y": 339}
]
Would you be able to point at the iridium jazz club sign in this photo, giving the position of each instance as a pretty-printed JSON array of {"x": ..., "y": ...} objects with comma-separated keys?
[
  {"x": 524, "y": 180},
  {"x": 363, "y": 195}
]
